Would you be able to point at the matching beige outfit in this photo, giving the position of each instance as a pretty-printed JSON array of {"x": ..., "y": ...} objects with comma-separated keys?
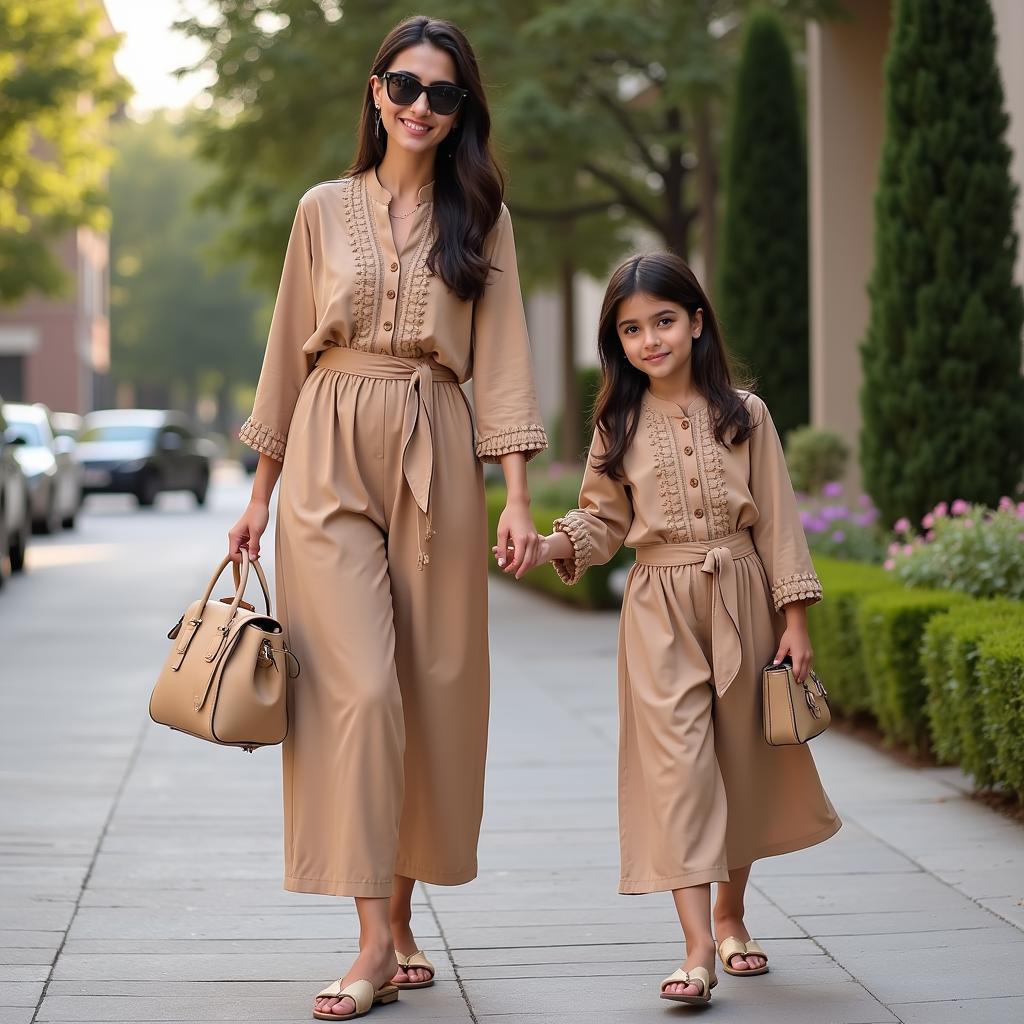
[
  {"x": 381, "y": 534},
  {"x": 720, "y": 551}
]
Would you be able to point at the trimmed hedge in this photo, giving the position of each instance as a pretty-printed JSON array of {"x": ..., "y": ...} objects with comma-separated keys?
[
  {"x": 959, "y": 726},
  {"x": 891, "y": 625},
  {"x": 1001, "y": 678},
  {"x": 834, "y": 633}
]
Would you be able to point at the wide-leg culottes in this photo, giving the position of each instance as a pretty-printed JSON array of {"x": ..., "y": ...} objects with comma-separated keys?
[
  {"x": 384, "y": 761},
  {"x": 700, "y": 790}
]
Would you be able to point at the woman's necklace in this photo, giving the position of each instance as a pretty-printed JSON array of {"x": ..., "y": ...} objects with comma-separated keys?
[{"x": 403, "y": 216}]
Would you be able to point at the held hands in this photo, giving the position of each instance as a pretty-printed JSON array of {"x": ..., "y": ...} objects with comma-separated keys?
[
  {"x": 248, "y": 531},
  {"x": 518, "y": 544}
]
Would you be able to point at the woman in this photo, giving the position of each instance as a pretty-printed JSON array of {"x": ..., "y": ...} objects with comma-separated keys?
[{"x": 399, "y": 283}]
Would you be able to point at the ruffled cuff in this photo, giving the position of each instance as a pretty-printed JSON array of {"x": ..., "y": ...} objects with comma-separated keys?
[
  {"x": 801, "y": 586},
  {"x": 530, "y": 439},
  {"x": 570, "y": 570},
  {"x": 263, "y": 438}
]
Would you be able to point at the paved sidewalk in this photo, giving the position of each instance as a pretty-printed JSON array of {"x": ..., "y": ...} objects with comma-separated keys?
[{"x": 141, "y": 870}]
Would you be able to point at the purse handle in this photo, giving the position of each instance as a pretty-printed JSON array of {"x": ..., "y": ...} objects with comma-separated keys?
[{"x": 241, "y": 579}]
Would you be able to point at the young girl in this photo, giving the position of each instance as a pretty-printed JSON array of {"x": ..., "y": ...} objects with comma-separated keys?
[{"x": 689, "y": 471}]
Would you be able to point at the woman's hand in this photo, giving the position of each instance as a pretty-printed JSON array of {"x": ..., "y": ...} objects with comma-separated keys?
[
  {"x": 797, "y": 644},
  {"x": 518, "y": 539},
  {"x": 248, "y": 530}
]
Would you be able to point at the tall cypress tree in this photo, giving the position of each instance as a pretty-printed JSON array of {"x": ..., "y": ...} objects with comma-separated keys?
[
  {"x": 943, "y": 398},
  {"x": 762, "y": 285}
]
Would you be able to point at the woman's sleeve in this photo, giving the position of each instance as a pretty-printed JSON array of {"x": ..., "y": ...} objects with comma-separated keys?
[
  {"x": 285, "y": 365},
  {"x": 504, "y": 396},
  {"x": 599, "y": 526},
  {"x": 778, "y": 533}
]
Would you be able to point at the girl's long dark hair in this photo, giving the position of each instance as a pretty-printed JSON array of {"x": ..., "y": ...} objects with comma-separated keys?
[
  {"x": 616, "y": 414},
  {"x": 468, "y": 186}
]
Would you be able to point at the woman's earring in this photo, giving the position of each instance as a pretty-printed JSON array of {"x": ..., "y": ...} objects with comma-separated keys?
[{"x": 376, "y": 127}]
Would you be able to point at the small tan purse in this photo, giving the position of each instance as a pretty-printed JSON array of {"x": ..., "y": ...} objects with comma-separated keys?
[
  {"x": 793, "y": 712},
  {"x": 226, "y": 677}
]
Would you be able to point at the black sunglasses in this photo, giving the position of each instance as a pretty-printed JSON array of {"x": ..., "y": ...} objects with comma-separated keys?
[{"x": 405, "y": 91}]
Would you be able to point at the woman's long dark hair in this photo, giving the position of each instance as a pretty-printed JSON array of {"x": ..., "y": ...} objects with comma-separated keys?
[
  {"x": 468, "y": 186},
  {"x": 665, "y": 276}
]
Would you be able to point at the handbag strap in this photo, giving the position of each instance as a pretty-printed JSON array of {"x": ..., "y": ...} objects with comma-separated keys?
[
  {"x": 259, "y": 575},
  {"x": 241, "y": 579}
]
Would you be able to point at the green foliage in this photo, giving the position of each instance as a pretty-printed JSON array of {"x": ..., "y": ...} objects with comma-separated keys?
[
  {"x": 58, "y": 88},
  {"x": 976, "y": 551},
  {"x": 960, "y": 729},
  {"x": 180, "y": 326},
  {"x": 838, "y": 653},
  {"x": 891, "y": 625},
  {"x": 592, "y": 591},
  {"x": 942, "y": 396},
  {"x": 291, "y": 75},
  {"x": 762, "y": 287},
  {"x": 1001, "y": 675},
  {"x": 815, "y": 457}
]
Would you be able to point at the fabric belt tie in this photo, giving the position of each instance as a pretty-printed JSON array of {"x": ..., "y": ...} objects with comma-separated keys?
[
  {"x": 716, "y": 558},
  {"x": 417, "y": 415}
]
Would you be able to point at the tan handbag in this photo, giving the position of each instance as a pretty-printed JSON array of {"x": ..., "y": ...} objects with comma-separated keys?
[
  {"x": 226, "y": 677},
  {"x": 793, "y": 712}
]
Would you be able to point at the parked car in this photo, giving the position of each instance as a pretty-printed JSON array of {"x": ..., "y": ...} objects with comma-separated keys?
[
  {"x": 15, "y": 518},
  {"x": 66, "y": 424},
  {"x": 53, "y": 474},
  {"x": 143, "y": 452}
]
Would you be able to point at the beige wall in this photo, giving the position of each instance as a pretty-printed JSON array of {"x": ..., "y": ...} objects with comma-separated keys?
[{"x": 845, "y": 122}]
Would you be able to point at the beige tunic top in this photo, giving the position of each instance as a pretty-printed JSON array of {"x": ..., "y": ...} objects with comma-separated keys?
[
  {"x": 345, "y": 284},
  {"x": 681, "y": 486}
]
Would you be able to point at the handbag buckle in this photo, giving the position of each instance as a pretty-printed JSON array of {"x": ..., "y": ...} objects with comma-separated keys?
[
  {"x": 811, "y": 703},
  {"x": 265, "y": 659}
]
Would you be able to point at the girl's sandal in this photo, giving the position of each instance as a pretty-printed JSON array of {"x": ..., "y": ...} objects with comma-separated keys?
[
  {"x": 728, "y": 948},
  {"x": 362, "y": 993},
  {"x": 698, "y": 976},
  {"x": 419, "y": 960}
]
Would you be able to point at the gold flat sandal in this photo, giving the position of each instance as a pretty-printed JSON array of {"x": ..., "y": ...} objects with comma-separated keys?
[
  {"x": 362, "y": 993},
  {"x": 730, "y": 947},
  {"x": 698, "y": 976}
]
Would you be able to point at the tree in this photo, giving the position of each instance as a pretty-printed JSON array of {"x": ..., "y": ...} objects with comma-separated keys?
[
  {"x": 763, "y": 288},
  {"x": 604, "y": 114},
  {"x": 181, "y": 326},
  {"x": 943, "y": 398},
  {"x": 58, "y": 88}
]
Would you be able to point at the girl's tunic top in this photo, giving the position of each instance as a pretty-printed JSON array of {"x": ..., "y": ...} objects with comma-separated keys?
[
  {"x": 682, "y": 486},
  {"x": 345, "y": 285}
]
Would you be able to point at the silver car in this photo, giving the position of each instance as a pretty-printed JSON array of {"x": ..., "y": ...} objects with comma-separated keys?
[
  {"x": 15, "y": 521},
  {"x": 49, "y": 464}
]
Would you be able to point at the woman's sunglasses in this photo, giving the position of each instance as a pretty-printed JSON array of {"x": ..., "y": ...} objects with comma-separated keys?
[{"x": 405, "y": 91}]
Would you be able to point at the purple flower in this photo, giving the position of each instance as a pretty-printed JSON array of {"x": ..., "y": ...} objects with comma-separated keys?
[
  {"x": 1005, "y": 503},
  {"x": 895, "y": 548},
  {"x": 864, "y": 500},
  {"x": 959, "y": 507},
  {"x": 805, "y": 518},
  {"x": 831, "y": 512},
  {"x": 928, "y": 521},
  {"x": 908, "y": 549},
  {"x": 889, "y": 564},
  {"x": 832, "y": 490},
  {"x": 839, "y": 536},
  {"x": 940, "y": 510},
  {"x": 902, "y": 525},
  {"x": 816, "y": 525}
]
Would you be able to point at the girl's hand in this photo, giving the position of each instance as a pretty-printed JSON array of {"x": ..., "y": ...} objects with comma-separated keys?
[
  {"x": 248, "y": 530},
  {"x": 518, "y": 539},
  {"x": 542, "y": 554},
  {"x": 797, "y": 644}
]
